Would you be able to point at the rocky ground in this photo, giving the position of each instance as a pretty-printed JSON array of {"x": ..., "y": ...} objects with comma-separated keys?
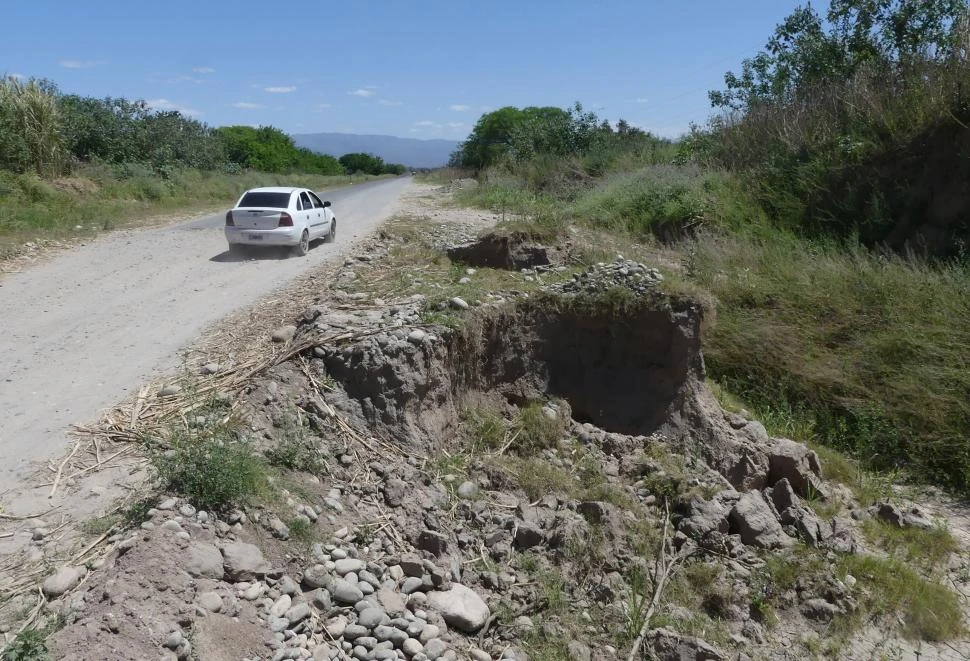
[{"x": 473, "y": 458}]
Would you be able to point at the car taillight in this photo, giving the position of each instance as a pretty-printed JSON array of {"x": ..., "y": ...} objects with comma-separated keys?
[
  {"x": 286, "y": 220},
  {"x": 229, "y": 222}
]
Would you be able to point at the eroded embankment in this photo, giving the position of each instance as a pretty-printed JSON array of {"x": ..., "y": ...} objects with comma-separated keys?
[
  {"x": 631, "y": 366},
  {"x": 505, "y": 486}
]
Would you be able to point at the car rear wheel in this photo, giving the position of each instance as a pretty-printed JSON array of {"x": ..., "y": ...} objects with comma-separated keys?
[
  {"x": 303, "y": 247},
  {"x": 332, "y": 236}
]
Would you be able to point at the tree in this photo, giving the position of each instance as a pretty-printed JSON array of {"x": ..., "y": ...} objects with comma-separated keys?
[
  {"x": 520, "y": 134},
  {"x": 366, "y": 163},
  {"x": 805, "y": 50}
]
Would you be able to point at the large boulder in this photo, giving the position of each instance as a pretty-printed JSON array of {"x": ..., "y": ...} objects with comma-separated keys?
[
  {"x": 704, "y": 516},
  {"x": 668, "y": 645},
  {"x": 244, "y": 562},
  {"x": 753, "y": 519},
  {"x": 204, "y": 561},
  {"x": 799, "y": 465},
  {"x": 460, "y": 607}
]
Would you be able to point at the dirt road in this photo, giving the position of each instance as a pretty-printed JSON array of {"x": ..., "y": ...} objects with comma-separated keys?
[{"x": 79, "y": 333}]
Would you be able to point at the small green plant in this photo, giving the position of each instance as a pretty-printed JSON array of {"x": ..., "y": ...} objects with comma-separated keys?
[
  {"x": 296, "y": 450},
  {"x": 302, "y": 531},
  {"x": 484, "y": 428},
  {"x": 529, "y": 562},
  {"x": 100, "y": 526},
  {"x": 137, "y": 513},
  {"x": 535, "y": 430},
  {"x": 213, "y": 470},
  {"x": 538, "y": 477},
  {"x": 29, "y": 645}
]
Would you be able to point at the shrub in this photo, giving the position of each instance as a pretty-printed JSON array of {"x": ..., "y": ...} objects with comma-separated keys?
[
  {"x": 29, "y": 645},
  {"x": 212, "y": 470}
]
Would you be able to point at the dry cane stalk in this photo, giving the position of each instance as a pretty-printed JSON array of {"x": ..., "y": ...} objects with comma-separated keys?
[{"x": 663, "y": 568}]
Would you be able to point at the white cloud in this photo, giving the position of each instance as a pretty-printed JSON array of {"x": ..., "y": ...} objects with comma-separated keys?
[
  {"x": 16, "y": 76},
  {"x": 364, "y": 92},
  {"x": 185, "y": 79},
  {"x": 77, "y": 64},
  {"x": 641, "y": 99},
  {"x": 456, "y": 125},
  {"x": 459, "y": 107},
  {"x": 166, "y": 105},
  {"x": 323, "y": 106},
  {"x": 385, "y": 102},
  {"x": 203, "y": 70},
  {"x": 246, "y": 105},
  {"x": 426, "y": 122},
  {"x": 280, "y": 90}
]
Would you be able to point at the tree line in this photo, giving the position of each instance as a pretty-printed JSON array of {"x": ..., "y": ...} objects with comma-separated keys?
[
  {"x": 47, "y": 132},
  {"x": 553, "y": 147}
]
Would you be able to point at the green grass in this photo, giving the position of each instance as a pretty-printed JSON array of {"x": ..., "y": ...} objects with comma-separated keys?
[
  {"x": 929, "y": 550},
  {"x": 295, "y": 448},
  {"x": 887, "y": 589},
  {"x": 830, "y": 343},
  {"x": 485, "y": 429},
  {"x": 864, "y": 352},
  {"x": 100, "y": 198},
  {"x": 534, "y": 431},
  {"x": 892, "y": 590}
]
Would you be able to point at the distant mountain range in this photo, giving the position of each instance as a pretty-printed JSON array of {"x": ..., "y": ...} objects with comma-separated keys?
[{"x": 408, "y": 151}]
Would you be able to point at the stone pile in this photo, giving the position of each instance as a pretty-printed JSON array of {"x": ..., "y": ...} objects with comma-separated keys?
[{"x": 620, "y": 273}]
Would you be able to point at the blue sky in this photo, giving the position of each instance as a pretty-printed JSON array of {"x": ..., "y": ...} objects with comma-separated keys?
[{"x": 423, "y": 69}]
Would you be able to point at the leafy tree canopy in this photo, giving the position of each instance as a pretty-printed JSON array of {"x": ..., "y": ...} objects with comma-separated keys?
[{"x": 806, "y": 49}]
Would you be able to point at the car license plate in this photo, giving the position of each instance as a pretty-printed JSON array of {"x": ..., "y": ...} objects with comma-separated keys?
[{"x": 255, "y": 237}]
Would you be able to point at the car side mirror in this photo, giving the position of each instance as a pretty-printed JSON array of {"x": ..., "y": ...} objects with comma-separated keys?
[{"x": 326, "y": 204}]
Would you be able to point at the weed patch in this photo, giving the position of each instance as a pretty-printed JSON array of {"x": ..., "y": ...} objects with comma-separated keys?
[
  {"x": 927, "y": 549},
  {"x": 29, "y": 645},
  {"x": 213, "y": 470},
  {"x": 890, "y": 589}
]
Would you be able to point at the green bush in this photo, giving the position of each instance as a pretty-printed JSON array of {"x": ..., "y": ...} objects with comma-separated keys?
[
  {"x": 29, "y": 645},
  {"x": 666, "y": 201},
  {"x": 213, "y": 470}
]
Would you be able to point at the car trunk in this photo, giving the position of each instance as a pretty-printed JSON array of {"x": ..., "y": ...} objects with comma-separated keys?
[{"x": 256, "y": 219}]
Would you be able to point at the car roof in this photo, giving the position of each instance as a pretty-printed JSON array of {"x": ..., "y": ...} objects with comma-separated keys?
[{"x": 275, "y": 189}]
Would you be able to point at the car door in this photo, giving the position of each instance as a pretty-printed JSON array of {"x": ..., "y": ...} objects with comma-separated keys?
[
  {"x": 323, "y": 215},
  {"x": 308, "y": 213}
]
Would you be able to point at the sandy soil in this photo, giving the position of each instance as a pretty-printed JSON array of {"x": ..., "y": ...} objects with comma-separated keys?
[{"x": 79, "y": 332}]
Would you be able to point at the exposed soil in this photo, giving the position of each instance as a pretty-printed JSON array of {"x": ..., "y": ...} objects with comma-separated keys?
[{"x": 548, "y": 527}]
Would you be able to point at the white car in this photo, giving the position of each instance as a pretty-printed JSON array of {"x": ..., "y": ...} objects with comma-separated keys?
[{"x": 279, "y": 217}]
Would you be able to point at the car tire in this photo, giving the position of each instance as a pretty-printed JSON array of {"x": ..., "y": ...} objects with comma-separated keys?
[
  {"x": 303, "y": 247},
  {"x": 332, "y": 235}
]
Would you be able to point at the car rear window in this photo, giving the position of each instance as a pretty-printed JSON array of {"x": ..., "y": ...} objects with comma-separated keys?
[{"x": 266, "y": 200}]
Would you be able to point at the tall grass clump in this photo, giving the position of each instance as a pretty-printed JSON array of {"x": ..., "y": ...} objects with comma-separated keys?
[
  {"x": 30, "y": 135},
  {"x": 666, "y": 201},
  {"x": 871, "y": 348}
]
